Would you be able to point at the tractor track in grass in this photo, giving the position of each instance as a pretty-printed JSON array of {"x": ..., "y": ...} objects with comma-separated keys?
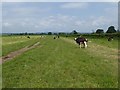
[
  {"x": 98, "y": 50},
  {"x": 12, "y": 55}
]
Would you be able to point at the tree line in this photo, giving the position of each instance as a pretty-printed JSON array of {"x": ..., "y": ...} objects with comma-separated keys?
[{"x": 110, "y": 30}]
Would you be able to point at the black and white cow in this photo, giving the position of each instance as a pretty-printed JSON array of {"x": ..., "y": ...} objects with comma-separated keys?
[
  {"x": 80, "y": 41},
  {"x": 110, "y": 38},
  {"x": 28, "y": 37}
]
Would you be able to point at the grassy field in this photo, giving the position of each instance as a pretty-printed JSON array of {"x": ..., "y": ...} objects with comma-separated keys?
[
  {"x": 12, "y": 43},
  {"x": 59, "y": 63}
]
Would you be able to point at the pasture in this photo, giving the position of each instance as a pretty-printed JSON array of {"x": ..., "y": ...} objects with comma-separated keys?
[{"x": 59, "y": 63}]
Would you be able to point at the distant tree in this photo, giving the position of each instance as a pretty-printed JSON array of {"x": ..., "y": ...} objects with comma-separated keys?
[
  {"x": 21, "y": 33},
  {"x": 55, "y": 33},
  {"x": 74, "y": 32},
  {"x": 99, "y": 31},
  {"x": 93, "y": 31},
  {"x": 118, "y": 30},
  {"x": 43, "y": 33},
  {"x": 111, "y": 29},
  {"x": 49, "y": 33},
  {"x": 26, "y": 33},
  {"x": 61, "y": 33}
]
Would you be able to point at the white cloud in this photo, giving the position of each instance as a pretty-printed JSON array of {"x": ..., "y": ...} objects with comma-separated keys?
[
  {"x": 6, "y": 24},
  {"x": 101, "y": 21},
  {"x": 113, "y": 11},
  {"x": 36, "y": 26},
  {"x": 75, "y": 5},
  {"x": 79, "y": 23},
  {"x": 25, "y": 11},
  {"x": 60, "y": 23}
]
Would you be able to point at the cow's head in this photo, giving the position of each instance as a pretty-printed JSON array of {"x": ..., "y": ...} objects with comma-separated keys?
[
  {"x": 75, "y": 39},
  {"x": 86, "y": 40}
]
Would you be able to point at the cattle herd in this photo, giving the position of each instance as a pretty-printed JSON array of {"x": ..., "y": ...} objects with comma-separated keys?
[{"x": 81, "y": 41}]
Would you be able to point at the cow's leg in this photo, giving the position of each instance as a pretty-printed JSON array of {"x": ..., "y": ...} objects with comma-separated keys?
[
  {"x": 80, "y": 44},
  {"x": 85, "y": 44}
]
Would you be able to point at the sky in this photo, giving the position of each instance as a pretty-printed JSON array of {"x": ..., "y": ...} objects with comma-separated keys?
[{"x": 32, "y": 17}]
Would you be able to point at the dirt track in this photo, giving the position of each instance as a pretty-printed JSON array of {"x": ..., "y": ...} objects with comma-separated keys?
[{"x": 12, "y": 55}]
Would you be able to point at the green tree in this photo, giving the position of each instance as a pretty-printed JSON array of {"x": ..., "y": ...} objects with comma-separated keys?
[
  {"x": 49, "y": 33},
  {"x": 74, "y": 32},
  {"x": 26, "y": 33},
  {"x": 99, "y": 31},
  {"x": 118, "y": 30},
  {"x": 111, "y": 29}
]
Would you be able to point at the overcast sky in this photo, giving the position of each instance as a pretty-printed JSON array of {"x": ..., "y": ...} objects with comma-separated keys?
[{"x": 35, "y": 17}]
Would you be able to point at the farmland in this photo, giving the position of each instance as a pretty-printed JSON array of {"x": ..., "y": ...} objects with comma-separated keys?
[{"x": 59, "y": 63}]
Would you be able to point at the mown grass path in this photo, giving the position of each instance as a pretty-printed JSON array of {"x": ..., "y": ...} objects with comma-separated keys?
[
  {"x": 60, "y": 63},
  {"x": 12, "y": 55}
]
